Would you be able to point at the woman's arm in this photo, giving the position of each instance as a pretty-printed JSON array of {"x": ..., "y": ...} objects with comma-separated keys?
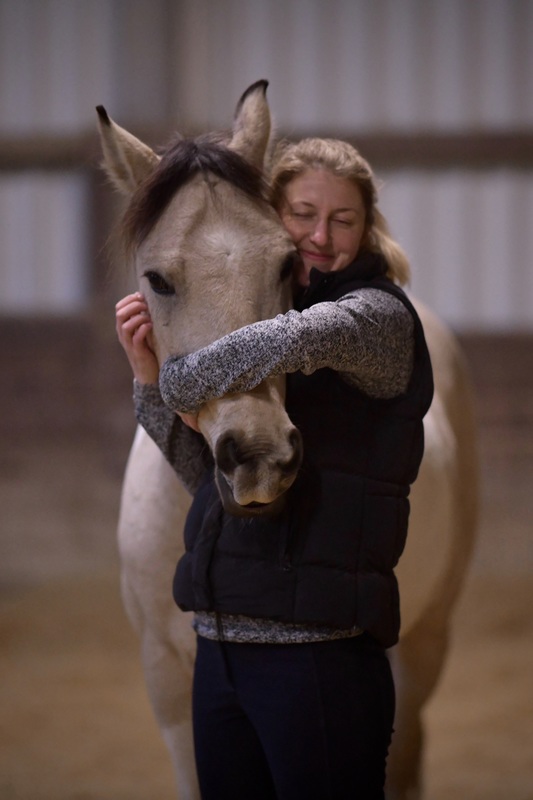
[
  {"x": 367, "y": 336},
  {"x": 185, "y": 450}
]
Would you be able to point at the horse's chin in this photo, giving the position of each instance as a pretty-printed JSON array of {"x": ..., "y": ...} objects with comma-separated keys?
[{"x": 252, "y": 509}]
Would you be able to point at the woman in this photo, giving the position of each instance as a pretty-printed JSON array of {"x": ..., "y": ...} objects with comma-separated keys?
[{"x": 293, "y": 695}]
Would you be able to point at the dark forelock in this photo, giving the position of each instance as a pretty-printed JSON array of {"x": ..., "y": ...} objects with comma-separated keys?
[{"x": 184, "y": 159}]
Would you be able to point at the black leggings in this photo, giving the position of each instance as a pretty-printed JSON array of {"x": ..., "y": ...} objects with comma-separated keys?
[{"x": 292, "y": 722}]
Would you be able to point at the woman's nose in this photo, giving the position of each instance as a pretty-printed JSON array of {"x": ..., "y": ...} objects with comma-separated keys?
[{"x": 320, "y": 234}]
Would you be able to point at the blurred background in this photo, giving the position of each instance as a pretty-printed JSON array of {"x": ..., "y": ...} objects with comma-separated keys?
[{"x": 438, "y": 95}]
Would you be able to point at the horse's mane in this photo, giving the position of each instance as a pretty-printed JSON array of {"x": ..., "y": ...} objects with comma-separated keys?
[{"x": 181, "y": 161}]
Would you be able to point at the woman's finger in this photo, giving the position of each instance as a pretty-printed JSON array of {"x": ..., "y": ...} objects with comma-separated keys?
[
  {"x": 130, "y": 298},
  {"x": 129, "y": 310}
]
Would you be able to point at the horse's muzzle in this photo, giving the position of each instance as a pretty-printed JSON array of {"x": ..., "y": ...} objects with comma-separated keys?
[{"x": 251, "y": 509}]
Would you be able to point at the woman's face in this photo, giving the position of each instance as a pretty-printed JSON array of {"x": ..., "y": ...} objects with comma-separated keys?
[{"x": 325, "y": 217}]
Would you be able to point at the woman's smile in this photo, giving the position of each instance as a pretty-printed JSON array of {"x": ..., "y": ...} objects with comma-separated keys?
[{"x": 317, "y": 256}]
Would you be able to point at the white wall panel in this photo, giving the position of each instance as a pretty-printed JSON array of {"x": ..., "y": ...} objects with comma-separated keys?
[
  {"x": 344, "y": 65},
  {"x": 61, "y": 58},
  {"x": 356, "y": 64},
  {"x": 58, "y": 60},
  {"x": 469, "y": 243},
  {"x": 43, "y": 244}
]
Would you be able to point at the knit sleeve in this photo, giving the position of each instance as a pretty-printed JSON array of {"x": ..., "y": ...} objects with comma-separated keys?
[
  {"x": 185, "y": 450},
  {"x": 367, "y": 336}
]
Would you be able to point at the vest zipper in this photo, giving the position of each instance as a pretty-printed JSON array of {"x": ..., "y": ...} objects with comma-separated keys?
[
  {"x": 286, "y": 562},
  {"x": 286, "y": 556}
]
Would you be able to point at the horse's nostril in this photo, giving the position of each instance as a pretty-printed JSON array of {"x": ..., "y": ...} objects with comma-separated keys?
[
  {"x": 293, "y": 464},
  {"x": 295, "y": 439},
  {"x": 228, "y": 454},
  {"x": 231, "y": 453}
]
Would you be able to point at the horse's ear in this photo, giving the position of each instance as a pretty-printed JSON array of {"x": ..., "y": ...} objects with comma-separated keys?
[
  {"x": 127, "y": 161},
  {"x": 251, "y": 126}
]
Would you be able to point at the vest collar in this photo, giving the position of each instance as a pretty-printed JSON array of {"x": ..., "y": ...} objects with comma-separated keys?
[{"x": 365, "y": 267}]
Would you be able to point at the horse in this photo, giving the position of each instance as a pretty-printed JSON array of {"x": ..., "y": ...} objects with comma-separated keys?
[
  {"x": 212, "y": 263},
  {"x": 442, "y": 533}
]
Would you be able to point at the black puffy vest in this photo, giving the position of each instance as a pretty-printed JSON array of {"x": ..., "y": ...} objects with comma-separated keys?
[{"x": 329, "y": 557}]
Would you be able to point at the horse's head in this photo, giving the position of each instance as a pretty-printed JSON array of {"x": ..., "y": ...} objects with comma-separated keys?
[{"x": 211, "y": 256}]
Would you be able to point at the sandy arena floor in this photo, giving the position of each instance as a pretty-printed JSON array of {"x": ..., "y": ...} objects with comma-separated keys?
[{"x": 76, "y": 724}]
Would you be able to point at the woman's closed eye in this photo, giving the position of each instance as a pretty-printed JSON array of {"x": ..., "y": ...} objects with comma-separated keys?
[{"x": 347, "y": 223}]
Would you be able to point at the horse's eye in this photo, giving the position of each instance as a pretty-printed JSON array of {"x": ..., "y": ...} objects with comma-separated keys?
[
  {"x": 158, "y": 284},
  {"x": 287, "y": 266}
]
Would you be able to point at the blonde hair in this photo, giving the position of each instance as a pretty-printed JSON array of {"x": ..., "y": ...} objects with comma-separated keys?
[{"x": 342, "y": 159}]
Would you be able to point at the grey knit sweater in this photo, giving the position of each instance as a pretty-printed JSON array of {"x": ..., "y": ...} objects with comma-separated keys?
[{"x": 367, "y": 336}]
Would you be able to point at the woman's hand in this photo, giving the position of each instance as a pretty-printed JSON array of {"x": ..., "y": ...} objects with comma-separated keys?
[{"x": 134, "y": 325}]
